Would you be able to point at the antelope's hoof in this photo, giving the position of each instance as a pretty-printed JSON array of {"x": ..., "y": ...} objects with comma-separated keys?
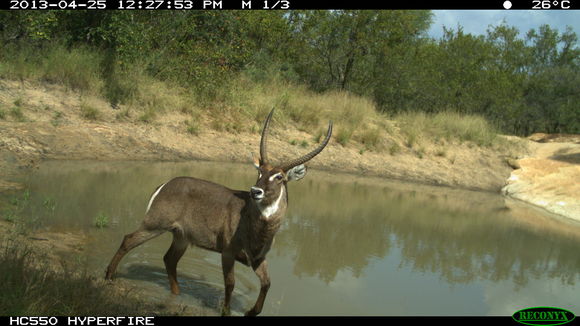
[{"x": 251, "y": 313}]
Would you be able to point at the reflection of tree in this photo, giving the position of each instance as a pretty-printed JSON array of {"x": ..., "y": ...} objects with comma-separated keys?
[
  {"x": 329, "y": 246},
  {"x": 461, "y": 238},
  {"x": 485, "y": 247}
]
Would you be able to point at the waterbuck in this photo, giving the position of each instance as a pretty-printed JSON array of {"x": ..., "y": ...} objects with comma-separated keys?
[{"x": 238, "y": 224}]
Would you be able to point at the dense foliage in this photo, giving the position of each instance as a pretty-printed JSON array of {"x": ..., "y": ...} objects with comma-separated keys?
[{"x": 522, "y": 84}]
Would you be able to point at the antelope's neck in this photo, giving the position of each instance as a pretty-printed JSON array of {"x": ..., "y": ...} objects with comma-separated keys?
[{"x": 276, "y": 209}]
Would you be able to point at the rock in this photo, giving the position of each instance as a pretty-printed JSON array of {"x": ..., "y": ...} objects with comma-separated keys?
[
  {"x": 549, "y": 179},
  {"x": 513, "y": 163}
]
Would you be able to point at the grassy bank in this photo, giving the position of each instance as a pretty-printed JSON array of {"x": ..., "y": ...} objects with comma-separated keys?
[
  {"x": 42, "y": 274},
  {"x": 239, "y": 106},
  {"x": 45, "y": 273},
  {"x": 31, "y": 285}
]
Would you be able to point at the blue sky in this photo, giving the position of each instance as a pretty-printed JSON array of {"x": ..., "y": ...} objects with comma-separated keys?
[{"x": 477, "y": 21}]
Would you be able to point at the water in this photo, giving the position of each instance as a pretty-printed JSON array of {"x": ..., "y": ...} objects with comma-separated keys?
[{"x": 349, "y": 245}]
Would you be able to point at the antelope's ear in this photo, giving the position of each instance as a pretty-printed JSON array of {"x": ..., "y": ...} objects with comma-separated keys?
[
  {"x": 296, "y": 173},
  {"x": 255, "y": 161}
]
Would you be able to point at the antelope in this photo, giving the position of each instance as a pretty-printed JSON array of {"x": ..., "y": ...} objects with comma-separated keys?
[{"x": 240, "y": 225}]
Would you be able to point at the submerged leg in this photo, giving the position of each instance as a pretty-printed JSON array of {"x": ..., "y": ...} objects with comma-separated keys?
[{"x": 130, "y": 241}]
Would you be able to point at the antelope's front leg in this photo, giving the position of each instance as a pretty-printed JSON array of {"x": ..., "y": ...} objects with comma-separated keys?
[
  {"x": 261, "y": 269},
  {"x": 228, "y": 262}
]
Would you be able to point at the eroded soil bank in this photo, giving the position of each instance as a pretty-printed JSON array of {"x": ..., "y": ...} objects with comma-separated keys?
[{"x": 51, "y": 127}]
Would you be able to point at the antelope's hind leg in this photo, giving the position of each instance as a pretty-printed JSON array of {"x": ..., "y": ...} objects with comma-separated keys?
[
  {"x": 172, "y": 257},
  {"x": 130, "y": 241}
]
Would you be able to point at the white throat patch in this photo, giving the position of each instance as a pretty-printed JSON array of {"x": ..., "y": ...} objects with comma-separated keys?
[{"x": 271, "y": 209}]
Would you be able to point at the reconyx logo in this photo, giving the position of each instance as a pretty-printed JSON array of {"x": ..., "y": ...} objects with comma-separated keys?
[{"x": 543, "y": 316}]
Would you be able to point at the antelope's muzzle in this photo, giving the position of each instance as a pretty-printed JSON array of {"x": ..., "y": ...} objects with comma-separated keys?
[{"x": 256, "y": 193}]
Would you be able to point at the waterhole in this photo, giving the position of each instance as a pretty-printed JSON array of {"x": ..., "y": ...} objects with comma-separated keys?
[{"x": 348, "y": 246}]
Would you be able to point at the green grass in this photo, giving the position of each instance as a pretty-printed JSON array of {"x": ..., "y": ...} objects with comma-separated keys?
[
  {"x": 147, "y": 116},
  {"x": 420, "y": 152},
  {"x": 343, "y": 135},
  {"x": 89, "y": 112},
  {"x": 306, "y": 110},
  {"x": 56, "y": 118},
  {"x": 21, "y": 213},
  {"x": 123, "y": 114},
  {"x": 371, "y": 138},
  {"x": 19, "y": 101},
  {"x": 418, "y": 127},
  {"x": 9, "y": 215},
  {"x": 49, "y": 204},
  {"x": 101, "y": 220},
  {"x": 394, "y": 149},
  {"x": 20, "y": 62},
  {"x": 33, "y": 284},
  {"x": 192, "y": 127},
  {"x": 17, "y": 114},
  {"x": 20, "y": 201},
  {"x": 76, "y": 68}
]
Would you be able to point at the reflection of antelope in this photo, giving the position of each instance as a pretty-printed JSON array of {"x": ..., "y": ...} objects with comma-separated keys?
[{"x": 239, "y": 224}]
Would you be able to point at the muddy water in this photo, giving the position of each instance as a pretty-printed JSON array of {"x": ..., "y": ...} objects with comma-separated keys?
[{"x": 349, "y": 245}]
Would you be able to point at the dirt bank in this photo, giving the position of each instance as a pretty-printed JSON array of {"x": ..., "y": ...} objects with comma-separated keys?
[
  {"x": 51, "y": 126},
  {"x": 550, "y": 176}
]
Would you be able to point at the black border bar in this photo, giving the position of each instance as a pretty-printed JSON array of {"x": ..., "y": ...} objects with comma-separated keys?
[
  {"x": 287, "y": 4},
  {"x": 173, "y": 321}
]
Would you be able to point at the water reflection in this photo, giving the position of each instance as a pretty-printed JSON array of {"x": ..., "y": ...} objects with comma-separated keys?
[
  {"x": 339, "y": 229},
  {"x": 461, "y": 235}
]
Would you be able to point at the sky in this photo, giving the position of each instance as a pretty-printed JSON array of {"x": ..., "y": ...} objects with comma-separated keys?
[{"x": 477, "y": 21}]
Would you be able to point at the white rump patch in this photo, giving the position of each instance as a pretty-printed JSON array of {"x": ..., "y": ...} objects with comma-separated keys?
[
  {"x": 153, "y": 197},
  {"x": 271, "y": 209}
]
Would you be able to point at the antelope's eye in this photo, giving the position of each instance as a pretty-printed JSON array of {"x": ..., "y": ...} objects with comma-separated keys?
[{"x": 279, "y": 177}]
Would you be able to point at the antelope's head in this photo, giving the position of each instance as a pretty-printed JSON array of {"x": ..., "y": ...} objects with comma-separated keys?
[{"x": 269, "y": 188}]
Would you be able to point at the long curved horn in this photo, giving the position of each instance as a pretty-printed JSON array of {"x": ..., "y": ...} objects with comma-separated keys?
[
  {"x": 287, "y": 166},
  {"x": 263, "y": 145}
]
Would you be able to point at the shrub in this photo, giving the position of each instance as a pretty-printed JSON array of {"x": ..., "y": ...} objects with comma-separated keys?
[
  {"x": 89, "y": 112},
  {"x": 77, "y": 68}
]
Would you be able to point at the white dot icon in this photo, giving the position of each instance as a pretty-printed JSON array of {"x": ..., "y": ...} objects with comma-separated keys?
[{"x": 507, "y": 4}]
